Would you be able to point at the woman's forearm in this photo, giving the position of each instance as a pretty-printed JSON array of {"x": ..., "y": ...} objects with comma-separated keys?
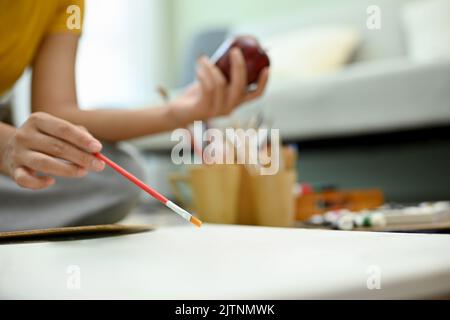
[
  {"x": 117, "y": 125},
  {"x": 54, "y": 92}
]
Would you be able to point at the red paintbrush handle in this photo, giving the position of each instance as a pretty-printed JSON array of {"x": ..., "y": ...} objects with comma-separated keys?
[{"x": 132, "y": 178}]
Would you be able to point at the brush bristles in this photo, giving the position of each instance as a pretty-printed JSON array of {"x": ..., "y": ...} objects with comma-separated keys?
[{"x": 196, "y": 222}]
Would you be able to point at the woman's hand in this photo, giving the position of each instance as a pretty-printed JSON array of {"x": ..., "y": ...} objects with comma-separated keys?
[
  {"x": 212, "y": 96},
  {"x": 46, "y": 146}
]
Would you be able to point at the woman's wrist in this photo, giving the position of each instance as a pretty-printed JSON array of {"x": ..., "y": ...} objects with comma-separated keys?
[{"x": 180, "y": 115}]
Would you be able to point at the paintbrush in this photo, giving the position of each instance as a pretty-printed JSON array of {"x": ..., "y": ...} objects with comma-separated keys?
[{"x": 155, "y": 194}]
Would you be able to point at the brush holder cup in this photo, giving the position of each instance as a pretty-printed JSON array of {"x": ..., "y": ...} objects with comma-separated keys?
[{"x": 215, "y": 192}]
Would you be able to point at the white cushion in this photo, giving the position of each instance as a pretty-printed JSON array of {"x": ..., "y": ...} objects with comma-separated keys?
[
  {"x": 427, "y": 27},
  {"x": 311, "y": 51}
]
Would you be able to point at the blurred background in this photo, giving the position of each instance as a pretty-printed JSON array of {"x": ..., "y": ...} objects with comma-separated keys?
[{"x": 362, "y": 88}]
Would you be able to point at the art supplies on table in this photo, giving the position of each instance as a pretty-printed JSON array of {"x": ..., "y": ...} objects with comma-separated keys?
[
  {"x": 234, "y": 194},
  {"x": 312, "y": 203},
  {"x": 240, "y": 193},
  {"x": 422, "y": 217}
]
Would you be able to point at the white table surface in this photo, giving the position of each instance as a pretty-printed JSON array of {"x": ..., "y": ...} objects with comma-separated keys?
[{"x": 221, "y": 262}]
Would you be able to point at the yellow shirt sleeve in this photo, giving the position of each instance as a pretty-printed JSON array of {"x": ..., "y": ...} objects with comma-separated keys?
[{"x": 68, "y": 17}]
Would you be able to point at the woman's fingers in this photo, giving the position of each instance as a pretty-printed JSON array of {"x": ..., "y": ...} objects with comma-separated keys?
[
  {"x": 26, "y": 179},
  {"x": 63, "y": 150},
  {"x": 261, "y": 86},
  {"x": 62, "y": 129},
  {"x": 206, "y": 86},
  {"x": 216, "y": 96},
  {"x": 47, "y": 165},
  {"x": 45, "y": 146},
  {"x": 220, "y": 89},
  {"x": 238, "y": 83}
]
